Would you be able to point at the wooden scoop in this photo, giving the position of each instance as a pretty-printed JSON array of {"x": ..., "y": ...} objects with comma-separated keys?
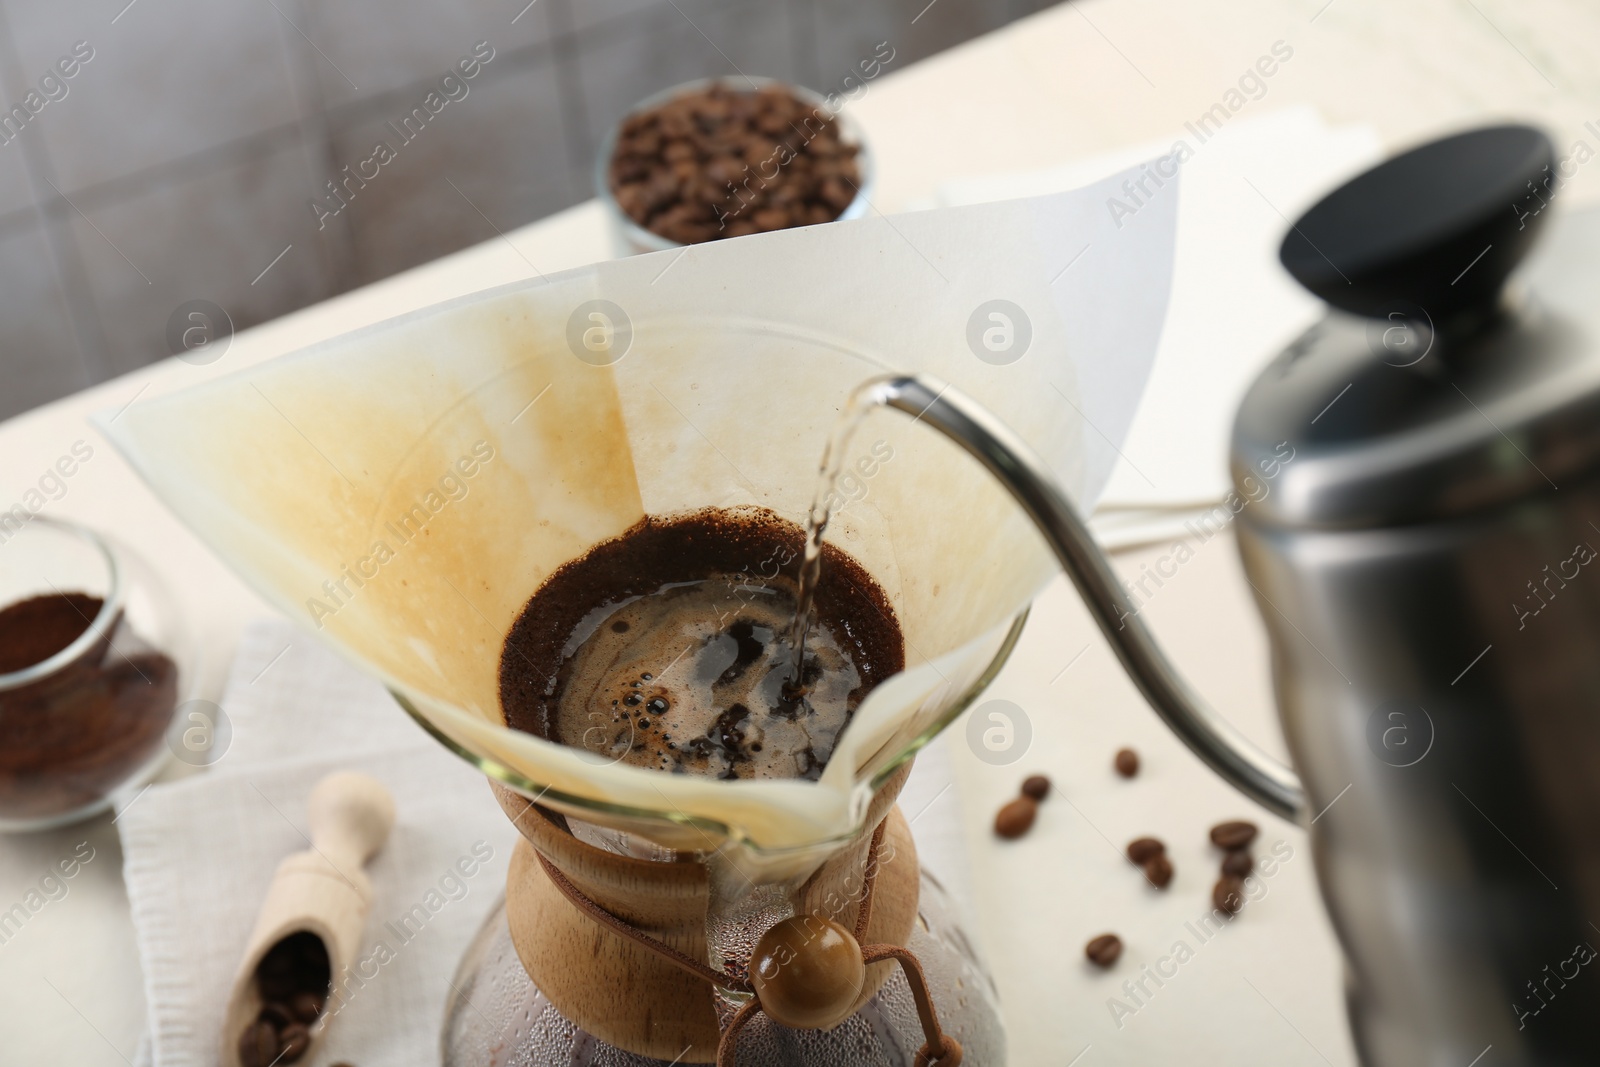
[{"x": 323, "y": 893}]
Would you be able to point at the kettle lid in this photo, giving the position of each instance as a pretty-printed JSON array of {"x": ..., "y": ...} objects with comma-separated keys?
[{"x": 1426, "y": 391}]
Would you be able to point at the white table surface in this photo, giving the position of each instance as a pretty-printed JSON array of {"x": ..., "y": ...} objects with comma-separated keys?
[{"x": 1076, "y": 80}]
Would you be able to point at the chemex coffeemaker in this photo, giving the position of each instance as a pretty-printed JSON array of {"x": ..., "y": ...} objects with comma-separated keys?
[{"x": 404, "y": 490}]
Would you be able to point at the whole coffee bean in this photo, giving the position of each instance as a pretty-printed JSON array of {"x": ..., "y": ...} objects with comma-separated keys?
[
  {"x": 1233, "y": 835},
  {"x": 1158, "y": 870},
  {"x": 1126, "y": 762},
  {"x": 278, "y": 1015},
  {"x": 1016, "y": 818},
  {"x": 1104, "y": 950},
  {"x": 1228, "y": 894},
  {"x": 258, "y": 1045},
  {"x": 306, "y": 1007},
  {"x": 1142, "y": 849},
  {"x": 1238, "y": 863},
  {"x": 293, "y": 1042},
  {"x": 1036, "y": 786}
]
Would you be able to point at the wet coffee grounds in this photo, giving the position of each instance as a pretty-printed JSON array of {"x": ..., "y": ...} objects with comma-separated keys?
[{"x": 667, "y": 648}]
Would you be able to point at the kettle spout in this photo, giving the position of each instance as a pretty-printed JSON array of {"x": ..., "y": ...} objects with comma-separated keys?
[{"x": 1211, "y": 737}]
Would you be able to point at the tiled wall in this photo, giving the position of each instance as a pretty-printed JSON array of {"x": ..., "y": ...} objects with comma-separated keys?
[{"x": 180, "y": 157}]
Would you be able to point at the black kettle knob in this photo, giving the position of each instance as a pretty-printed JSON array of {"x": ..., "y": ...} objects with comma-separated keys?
[{"x": 1438, "y": 228}]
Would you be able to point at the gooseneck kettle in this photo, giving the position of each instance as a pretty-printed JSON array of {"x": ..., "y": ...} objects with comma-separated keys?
[{"x": 1423, "y": 568}]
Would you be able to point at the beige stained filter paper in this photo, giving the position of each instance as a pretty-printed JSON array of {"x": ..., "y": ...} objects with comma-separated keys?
[{"x": 403, "y": 490}]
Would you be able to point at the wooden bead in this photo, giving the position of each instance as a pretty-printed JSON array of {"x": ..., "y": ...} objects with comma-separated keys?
[{"x": 808, "y": 973}]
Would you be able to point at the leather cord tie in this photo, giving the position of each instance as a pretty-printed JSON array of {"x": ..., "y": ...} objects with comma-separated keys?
[{"x": 938, "y": 1050}]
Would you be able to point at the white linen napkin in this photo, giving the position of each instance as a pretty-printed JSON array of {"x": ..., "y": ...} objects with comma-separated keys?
[{"x": 200, "y": 852}]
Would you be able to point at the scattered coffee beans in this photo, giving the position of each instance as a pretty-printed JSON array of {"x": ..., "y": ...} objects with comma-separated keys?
[
  {"x": 1142, "y": 850},
  {"x": 1228, "y": 894},
  {"x": 1158, "y": 870},
  {"x": 1151, "y": 854},
  {"x": 1238, "y": 863},
  {"x": 1104, "y": 950},
  {"x": 1016, "y": 818},
  {"x": 1126, "y": 762},
  {"x": 724, "y": 162},
  {"x": 1233, "y": 835},
  {"x": 293, "y": 980}
]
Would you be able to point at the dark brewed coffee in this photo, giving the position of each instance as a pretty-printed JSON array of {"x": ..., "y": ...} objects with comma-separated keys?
[{"x": 669, "y": 648}]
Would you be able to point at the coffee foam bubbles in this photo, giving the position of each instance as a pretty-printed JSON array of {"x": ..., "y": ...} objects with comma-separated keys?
[{"x": 691, "y": 679}]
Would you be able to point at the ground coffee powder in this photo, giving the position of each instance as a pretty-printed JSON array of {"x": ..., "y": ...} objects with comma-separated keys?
[{"x": 69, "y": 738}]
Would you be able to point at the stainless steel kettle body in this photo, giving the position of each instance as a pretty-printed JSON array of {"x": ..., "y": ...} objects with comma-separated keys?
[
  {"x": 1427, "y": 575},
  {"x": 1445, "y": 720}
]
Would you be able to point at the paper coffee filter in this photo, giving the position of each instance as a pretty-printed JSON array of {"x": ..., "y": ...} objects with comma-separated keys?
[{"x": 404, "y": 490}]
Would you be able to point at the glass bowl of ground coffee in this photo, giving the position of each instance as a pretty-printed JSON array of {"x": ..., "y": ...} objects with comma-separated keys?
[
  {"x": 93, "y": 658},
  {"x": 726, "y": 157}
]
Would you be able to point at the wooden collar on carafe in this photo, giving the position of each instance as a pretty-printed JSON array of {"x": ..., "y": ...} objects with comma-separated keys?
[{"x": 938, "y": 1050}]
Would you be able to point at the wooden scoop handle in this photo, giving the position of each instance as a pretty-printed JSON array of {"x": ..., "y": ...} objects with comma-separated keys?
[{"x": 350, "y": 815}]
